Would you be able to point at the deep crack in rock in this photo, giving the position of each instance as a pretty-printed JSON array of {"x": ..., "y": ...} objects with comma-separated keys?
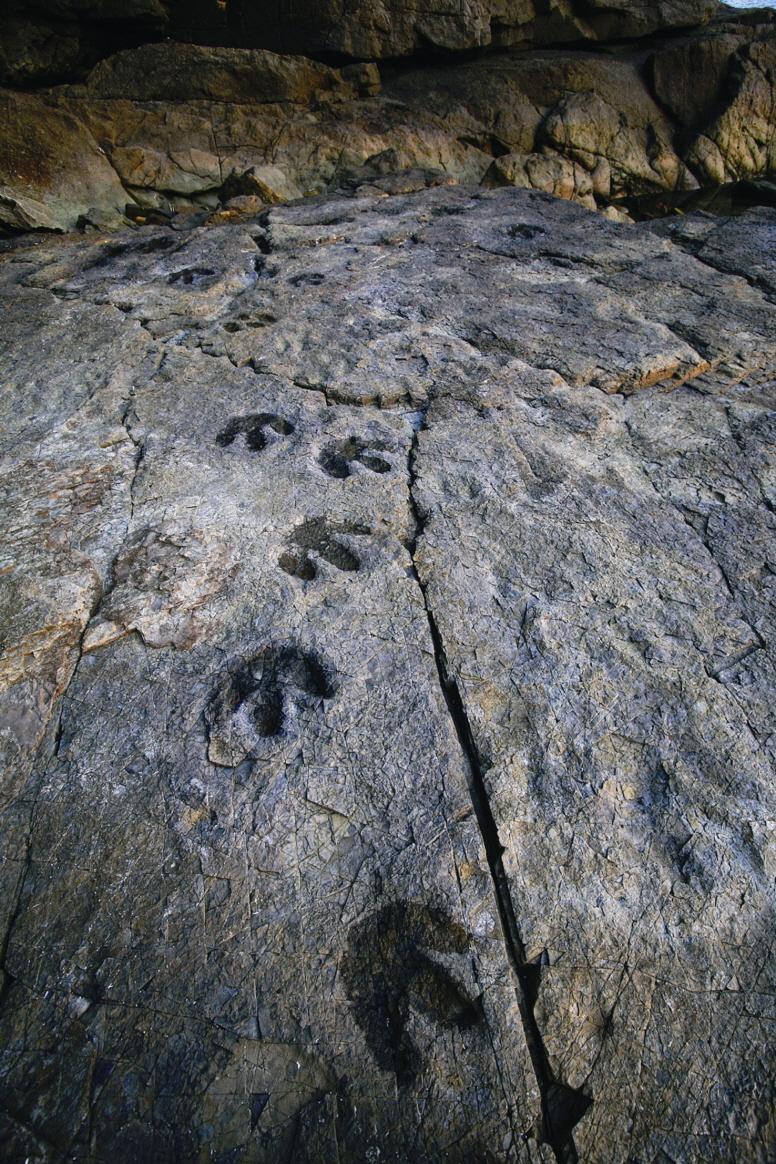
[{"x": 562, "y": 1107}]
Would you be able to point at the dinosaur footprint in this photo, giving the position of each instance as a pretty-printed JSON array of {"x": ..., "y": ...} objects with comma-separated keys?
[
  {"x": 387, "y": 971},
  {"x": 318, "y": 538},
  {"x": 336, "y": 459},
  {"x": 253, "y": 428},
  {"x": 258, "y": 697}
]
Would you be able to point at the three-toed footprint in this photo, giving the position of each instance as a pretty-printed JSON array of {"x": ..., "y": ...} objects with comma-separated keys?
[
  {"x": 316, "y": 538},
  {"x": 253, "y": 427},
  {"x": 389, "y": 970},
  {"x": 337, "y": 458},
  {"x": 258, "y": 695}
]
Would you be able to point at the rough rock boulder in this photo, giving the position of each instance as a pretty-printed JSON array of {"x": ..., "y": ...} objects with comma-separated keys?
[{"x": 52, "y": 172}]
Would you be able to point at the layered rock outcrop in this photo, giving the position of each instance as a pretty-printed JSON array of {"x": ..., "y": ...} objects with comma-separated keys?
[
  {"x": 46, "y": 40},
  {"x": 388, "y": 686},
  {"x": 374, "y": 29},
  {"x": 185, "y": 127}
]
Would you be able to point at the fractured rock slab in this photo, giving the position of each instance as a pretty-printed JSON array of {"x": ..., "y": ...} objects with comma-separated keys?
[{"x": 389, "y": 582}]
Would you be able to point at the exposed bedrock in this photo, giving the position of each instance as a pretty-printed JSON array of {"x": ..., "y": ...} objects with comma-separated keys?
[
  {"x": 167, "y": 128},
  {"x": 387, "y": 687}
]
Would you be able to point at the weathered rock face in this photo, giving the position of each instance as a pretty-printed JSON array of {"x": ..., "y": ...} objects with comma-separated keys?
[
  {"x": 52, "y": 40},
  {"x": 388, "y": 687},
  {"x": 187, "y": 128},
  {"x": 372, "y": 29},
  {"x": 56, "y": 39},
  {"x": 52, "y": 172}
]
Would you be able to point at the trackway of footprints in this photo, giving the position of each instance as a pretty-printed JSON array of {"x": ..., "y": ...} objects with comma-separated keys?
[
  {"x": 255, "y": 698},
  {"x": 314, "y": 539},
  {"x": 255, "y": 695}
]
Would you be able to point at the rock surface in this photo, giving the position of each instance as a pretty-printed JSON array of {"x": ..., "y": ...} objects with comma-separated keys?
[
  {"x": 187, "y": 128},
  {"x": 388, "y": 687}
]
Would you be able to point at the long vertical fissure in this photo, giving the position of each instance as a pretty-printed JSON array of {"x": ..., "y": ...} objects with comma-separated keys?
[{"x": 561, "y": 1107}]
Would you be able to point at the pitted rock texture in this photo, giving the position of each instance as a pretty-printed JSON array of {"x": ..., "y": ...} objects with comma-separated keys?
[
  {"x": 170, "y": 128},
  {"x": 387, "y": 687}
]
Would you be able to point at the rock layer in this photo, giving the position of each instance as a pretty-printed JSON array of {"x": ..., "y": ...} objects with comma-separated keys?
[
  {"x": 57, "y": 40},
  {"x": 388, "y": 687},
  {"x": 374, "y": 29}
]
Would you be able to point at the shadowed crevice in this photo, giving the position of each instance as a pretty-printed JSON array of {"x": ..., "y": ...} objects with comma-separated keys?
[{"x": 562, "y": 1107}]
